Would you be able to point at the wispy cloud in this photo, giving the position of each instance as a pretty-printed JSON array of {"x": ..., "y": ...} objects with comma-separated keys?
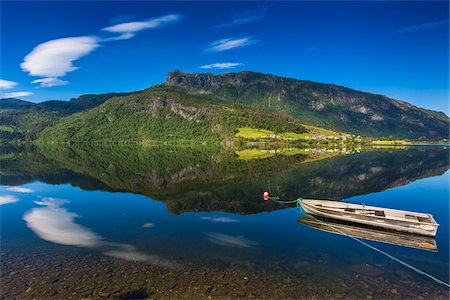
[
  {"x": 50, "y": 81},
  {"x": 15, "y": 94},
  {"x": 228, "y": 44},
  {"x": 421, "y": 27},
  {"x": 129, "y": 29},
  {"x": 220, "y": 219},
  {"x": 19, "y": 189},
  {"x": 221, "y": 66},
  {"x": 245, "y": 17},
  {"x": 5, "y": 199},
  {"x": 6, "y": 84},
  {"x": 229, "y": 240},
  {"x": 55, "y": 58}
]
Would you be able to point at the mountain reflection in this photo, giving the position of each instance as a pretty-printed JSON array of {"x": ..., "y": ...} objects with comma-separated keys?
[{"x": 214, "y": 178}]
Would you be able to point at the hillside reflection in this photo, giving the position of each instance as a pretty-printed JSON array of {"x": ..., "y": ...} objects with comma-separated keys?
[{"x": 214, "y": 178}]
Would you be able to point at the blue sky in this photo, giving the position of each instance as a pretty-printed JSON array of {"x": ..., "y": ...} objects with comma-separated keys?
[{"x": 61, "y": 49}]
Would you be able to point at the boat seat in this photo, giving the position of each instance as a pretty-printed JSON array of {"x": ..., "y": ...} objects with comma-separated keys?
[
  {"x": 411, "y": 217},
  {"x": 379, "y": 213},
  {"x": 423, "y": 219}
]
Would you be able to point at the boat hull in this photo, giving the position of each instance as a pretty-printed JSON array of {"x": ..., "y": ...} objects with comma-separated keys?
[{"x": 336, "y": 210}]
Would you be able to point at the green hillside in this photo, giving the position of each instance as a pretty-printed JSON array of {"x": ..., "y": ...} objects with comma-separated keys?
[
  {"x": 159, "y": 114},
  {"x": 23, "y": 120},
  {"x": 325, "y": 105}
]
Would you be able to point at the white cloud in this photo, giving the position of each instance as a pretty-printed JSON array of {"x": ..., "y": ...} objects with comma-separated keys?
[
  {"x": 220, "y": 219},
  {"x": 246, "y": 17},
  {"x": 221, "y": 66},
  {"x": 228, "y": 44},
  {"x": 421, "y": 27},
  {"x": 6, "y": 84},
  {"x": 19, "y": 189},
  {"x": 5, "y": 199},
  {"x": 55, "y": 224},
  {"x": 16, "y": 94},
  {"x": 229, "y": 240},
  {"x": 129, "y": 29},
  {"x": 50, "y": 81},
  {"x": 55, "y": 58}
]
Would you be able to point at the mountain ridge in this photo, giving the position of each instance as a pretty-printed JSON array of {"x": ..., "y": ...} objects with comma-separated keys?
[
  {"x": 327, "y": 105},
  {"x": 324, "y": 105}
]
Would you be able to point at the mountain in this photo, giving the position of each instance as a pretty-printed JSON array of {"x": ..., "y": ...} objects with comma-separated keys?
[
  {"x": 207, "y": 107},
  {"x": 21, "y": 119},
  {"x": 161, "y": 114},
  {"x": 14, "y": 103},
  {"x": 325, "y": 105}
]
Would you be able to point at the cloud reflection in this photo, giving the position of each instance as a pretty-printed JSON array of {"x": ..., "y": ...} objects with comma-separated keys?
[
  {"x": 56, "y": 224},
  {"x": 229, "y": 240},
  {"x": 5, "y": 199},
  {"x": 19, "y": 189},
  {"x": 129, "y": 252},
  {"x": 220, "y": 219}
]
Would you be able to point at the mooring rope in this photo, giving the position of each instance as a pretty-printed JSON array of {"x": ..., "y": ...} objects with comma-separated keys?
[{"x": 302, "y": 211}]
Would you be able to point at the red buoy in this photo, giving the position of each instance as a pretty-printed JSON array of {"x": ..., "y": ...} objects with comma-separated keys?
[{"x": 266, "y": 196}]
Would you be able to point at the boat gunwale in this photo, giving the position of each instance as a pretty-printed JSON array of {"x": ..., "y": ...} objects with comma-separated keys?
[{"x": 435, "y": 224}]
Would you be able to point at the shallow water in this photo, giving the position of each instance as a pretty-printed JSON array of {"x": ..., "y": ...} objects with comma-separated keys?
[{"x": 129, "y": 222}]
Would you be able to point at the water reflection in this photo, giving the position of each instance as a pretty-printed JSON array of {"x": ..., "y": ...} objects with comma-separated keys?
[
  {"x": 5, "y": 199},
  {"x": 371, "y": 233},
  {"x": 56, "y": 224},
  {"x": 79, "y": 222},
  {"x": 229, "y": 240},
  {"x": 213, "y": 178}
]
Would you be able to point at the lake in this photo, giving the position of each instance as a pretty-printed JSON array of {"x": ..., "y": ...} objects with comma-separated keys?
[{"x": 134, "y": 222}]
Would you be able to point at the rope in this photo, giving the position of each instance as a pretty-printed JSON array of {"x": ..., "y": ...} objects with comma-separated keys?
[{"x": 417, "y": 270}]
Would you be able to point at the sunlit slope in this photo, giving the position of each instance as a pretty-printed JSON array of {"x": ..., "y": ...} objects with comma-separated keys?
[{"x": 159, "y": 114}]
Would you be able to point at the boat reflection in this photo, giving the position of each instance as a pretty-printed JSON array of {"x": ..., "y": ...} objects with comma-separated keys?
[{"x": 370, "y": 233}]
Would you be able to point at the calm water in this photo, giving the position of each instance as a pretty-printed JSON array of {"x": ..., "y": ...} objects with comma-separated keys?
[{"x": 130, "y": 222}]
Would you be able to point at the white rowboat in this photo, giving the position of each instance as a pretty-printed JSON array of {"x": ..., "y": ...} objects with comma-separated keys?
[{"x": 391, "y": 219}]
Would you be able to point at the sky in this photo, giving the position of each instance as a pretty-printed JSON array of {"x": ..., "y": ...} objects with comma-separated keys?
[{"x": 63, "y": 49}]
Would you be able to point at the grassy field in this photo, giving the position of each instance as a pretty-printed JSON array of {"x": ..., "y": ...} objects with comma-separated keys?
[
  {"x": 390, "y": 142},
  {"x": 256, "y": 133},
  {"x": 253, "y": 133}
]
